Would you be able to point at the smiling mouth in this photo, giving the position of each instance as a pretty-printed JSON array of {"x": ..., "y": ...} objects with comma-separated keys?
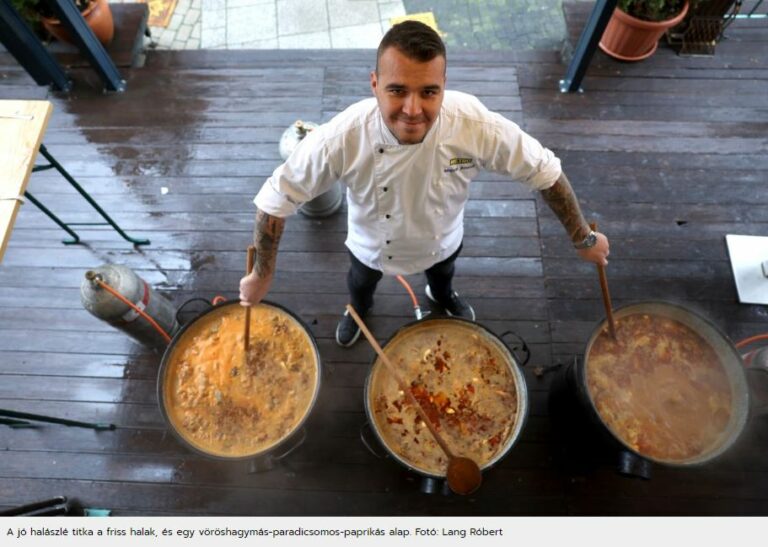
[{"x": 412, "y": 121}]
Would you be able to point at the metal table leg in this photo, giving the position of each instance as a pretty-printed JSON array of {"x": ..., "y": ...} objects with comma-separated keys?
[
  {"x": 54, "y": 506},
  {"x": 50, "y": 419},
  {"x": 57, "y": 220},
  {"x": 53, "y": 164},
  {"x": 17, "y": 424}
]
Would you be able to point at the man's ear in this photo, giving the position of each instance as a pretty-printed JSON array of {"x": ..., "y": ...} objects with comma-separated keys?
[{"x": 374, "y": 82}]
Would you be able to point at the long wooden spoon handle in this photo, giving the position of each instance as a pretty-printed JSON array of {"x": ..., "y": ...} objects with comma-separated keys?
[
  {"x": 250, "y": 256},
  {"x": 606, "y": 293},
  {"x": 403, "y": 386},
  {"x": 249, "y": 259}
]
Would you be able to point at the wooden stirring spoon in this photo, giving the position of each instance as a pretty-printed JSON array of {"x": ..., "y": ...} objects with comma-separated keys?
[
  {"x": 606, "y": 293},
  {"x": 248, "y": 267},
  {"x": 463, "y": 474}
]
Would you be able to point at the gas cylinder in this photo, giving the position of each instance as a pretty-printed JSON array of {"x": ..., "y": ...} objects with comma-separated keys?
[
  {"x": 760, "y": 358},
  {"x": 104, "y": 305},
  {"x": 326, "y": 203}
]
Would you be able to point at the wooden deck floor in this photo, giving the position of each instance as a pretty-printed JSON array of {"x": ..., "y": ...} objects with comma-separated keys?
[{"x": 668, "y": 156}]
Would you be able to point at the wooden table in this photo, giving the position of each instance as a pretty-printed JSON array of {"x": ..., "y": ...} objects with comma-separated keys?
[{"x": 22, "y": 126}]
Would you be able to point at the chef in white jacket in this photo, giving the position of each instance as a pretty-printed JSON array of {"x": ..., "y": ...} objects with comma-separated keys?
[{"x": 407, "y": 156}]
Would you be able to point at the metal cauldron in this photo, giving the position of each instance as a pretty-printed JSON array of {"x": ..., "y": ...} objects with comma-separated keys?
[
  {"x": 572, "y": 385},
  {"x": 265, "y": 457},
  {"x": 374, "y": 439}
]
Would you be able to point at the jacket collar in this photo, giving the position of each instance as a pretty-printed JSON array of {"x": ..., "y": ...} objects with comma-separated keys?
[{"x": 384, "y": 135}]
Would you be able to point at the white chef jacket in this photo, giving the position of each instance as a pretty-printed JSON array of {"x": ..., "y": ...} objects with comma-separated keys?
[{"x": 406, "y": 202}]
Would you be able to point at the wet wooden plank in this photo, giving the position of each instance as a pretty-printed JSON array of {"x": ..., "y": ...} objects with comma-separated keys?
[
  {"x": 723, "y": 315},
  {"x": 68, "y": 299},
  {"x": 221, "y": 500},
  {"x": 657, "y": 506},
  {"x": 222, "y": 203},
  {"x": 231, "y": 223},
  {"x": 634, "y": 112},
  {"x": 544, "y": 75},
  {"x": 85, "y": 364}
]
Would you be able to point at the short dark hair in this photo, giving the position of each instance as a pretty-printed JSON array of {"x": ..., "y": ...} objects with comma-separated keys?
[{"x": 413, "y": 39}]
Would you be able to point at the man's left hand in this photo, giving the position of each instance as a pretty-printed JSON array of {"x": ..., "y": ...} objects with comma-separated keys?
[{"x": 598, "y": 253}]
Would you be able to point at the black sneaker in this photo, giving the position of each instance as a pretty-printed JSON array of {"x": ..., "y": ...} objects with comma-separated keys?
[
  {"x": 455, "y": 307},
  {"x": 347, "y": 331}
]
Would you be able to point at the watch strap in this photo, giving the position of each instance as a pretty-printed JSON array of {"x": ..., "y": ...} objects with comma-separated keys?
[{"x": 589, "y": 241}]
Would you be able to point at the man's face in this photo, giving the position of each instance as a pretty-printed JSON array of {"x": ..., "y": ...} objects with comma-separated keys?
[{"x": 409, "y": 94}]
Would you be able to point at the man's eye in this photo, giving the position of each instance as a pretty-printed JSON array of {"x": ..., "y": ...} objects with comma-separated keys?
[{"x": 397, "y": 92}]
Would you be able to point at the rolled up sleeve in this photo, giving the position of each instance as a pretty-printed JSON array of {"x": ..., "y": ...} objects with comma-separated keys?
[{"x": 273, "y": 202}]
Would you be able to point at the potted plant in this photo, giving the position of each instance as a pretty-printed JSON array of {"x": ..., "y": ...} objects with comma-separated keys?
[
  {"x": 29, "y": 11},
  {"x": 95, "y": 12},
  {"x": 635, "y": 27}
]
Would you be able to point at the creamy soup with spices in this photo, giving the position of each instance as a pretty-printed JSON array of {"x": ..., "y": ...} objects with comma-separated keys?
[
  {"x": 228, "y": 405},
  {"x": 464, "y": 383},
  {"x": 659, "y": 387}
]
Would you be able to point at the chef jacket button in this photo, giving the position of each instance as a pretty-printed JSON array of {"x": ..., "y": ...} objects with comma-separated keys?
[
  {"x": 388, "y": 242},
  {"x": 436, "y": 238},
  {"x": 384, "y": 189},
  {"x": 381, "y": 150},
  {"x": 388, "y": 216},
  {"x": 433, "y": 253},
  {"x": 389, "y": 257}
]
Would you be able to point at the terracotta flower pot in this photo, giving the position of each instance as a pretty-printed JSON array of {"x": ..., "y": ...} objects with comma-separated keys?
[
  {"x": 630, "y": 39},
  {"x": 97, "y": 15}
]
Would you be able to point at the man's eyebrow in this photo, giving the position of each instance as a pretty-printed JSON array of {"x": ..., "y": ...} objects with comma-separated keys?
[{"x": 394, "y": 87}]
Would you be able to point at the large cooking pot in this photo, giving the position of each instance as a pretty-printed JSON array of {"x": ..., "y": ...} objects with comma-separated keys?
[
  {"x": 729, "y": 383},
  {"x": 459, "y": 371},
  {"x": 225, "y": 407}
]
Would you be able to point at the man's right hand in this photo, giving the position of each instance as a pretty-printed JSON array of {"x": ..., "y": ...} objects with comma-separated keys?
[
  {"x": 597, "y": 253},
  {"x": 253, "y": 289}
]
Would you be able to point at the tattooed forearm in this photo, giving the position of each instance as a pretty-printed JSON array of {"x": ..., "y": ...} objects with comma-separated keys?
[
  {"x": 563, "y": 202},
  {"x": 266, "y": 238}
]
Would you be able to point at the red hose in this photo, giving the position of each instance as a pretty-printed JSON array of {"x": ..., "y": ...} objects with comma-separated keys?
[
  {"x": 751, "y": 339},
  {"x": 138, "y": 310},
  {"x": 408, "y": 288}
]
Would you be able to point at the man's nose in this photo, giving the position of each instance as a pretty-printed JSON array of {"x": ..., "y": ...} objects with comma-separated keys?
[{"x": 412, "y": 105}]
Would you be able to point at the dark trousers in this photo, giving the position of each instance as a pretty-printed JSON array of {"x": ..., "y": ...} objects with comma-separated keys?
[{"x": 362, "y": 281}]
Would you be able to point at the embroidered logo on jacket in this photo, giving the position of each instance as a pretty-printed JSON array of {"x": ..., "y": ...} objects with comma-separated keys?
[{"x": 459, "y": 164}]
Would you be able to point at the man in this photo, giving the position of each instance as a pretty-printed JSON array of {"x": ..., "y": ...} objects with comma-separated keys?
[{"x": 407, "y": 157}]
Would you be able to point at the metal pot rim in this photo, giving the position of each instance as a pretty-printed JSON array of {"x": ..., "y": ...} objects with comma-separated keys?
[
  {"x": 522, "y": 392},
  {"x": 164, "y": 368},
  {"x": 733, "y": 369}
]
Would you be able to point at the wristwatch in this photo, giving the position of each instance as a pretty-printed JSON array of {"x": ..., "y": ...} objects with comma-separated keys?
[{"x": 588, "y": 241}]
